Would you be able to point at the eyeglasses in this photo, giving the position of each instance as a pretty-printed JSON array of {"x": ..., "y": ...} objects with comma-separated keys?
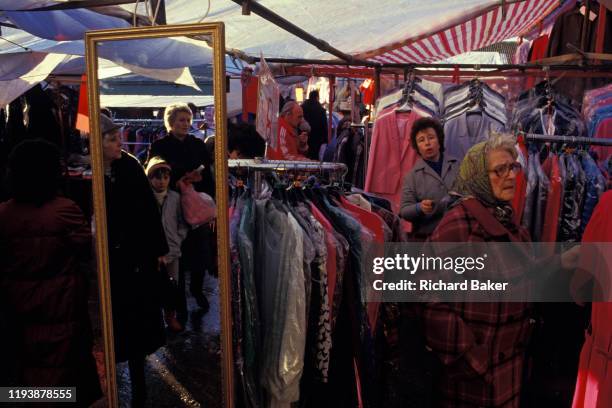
[{"x": 504, "y": 169}]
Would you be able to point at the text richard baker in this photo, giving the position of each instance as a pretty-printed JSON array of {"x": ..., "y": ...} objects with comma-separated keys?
[{"x": 440, "y": 285}]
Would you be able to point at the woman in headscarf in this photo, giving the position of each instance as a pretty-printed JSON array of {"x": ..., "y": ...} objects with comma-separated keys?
[{"x": 482, "y": 345}]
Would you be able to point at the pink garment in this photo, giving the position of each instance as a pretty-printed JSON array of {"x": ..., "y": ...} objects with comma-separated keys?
[
  {"x": 595, "y": 93},
  {"x": 391, "y": 156},
  {"x": 590, "y": 109},
  {"x": 604, "y": 129},
  {"x": 594, "y": 384}
]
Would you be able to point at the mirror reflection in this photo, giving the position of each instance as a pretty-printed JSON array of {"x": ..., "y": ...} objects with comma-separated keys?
[{"x": 157, "y": 132}]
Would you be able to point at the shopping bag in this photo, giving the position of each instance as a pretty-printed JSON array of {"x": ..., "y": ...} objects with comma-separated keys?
[{"x": 198, "y": 208}]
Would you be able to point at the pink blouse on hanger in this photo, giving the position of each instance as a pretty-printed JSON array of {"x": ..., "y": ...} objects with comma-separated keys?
[{"x": 391, "y": 156}]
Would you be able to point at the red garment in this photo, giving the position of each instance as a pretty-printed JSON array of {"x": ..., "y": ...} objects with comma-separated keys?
[
  {"x": 366, "y": 218},
  {"x": 287, "y": 145},
  {"x": 594, "y": 383},
  {"x": 553, "y": 201},
  {"x": 251, "y": 94},
  {"x": 604, "y": 129},
  {"x": 82, "y": 122},
  {"x": 331, "y": 252},
  {"x": 391, "y": 156},
  {"x": 482, "y": 345},
  {"x": 538, "y": 51},
  {"x": 374, "y": 223},
  {"x": 518, "y": 202},
  {"x": 367, "y": 90}
]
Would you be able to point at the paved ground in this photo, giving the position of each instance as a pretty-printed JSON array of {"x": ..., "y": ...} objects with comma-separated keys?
[{"x": 186, "y": 372}]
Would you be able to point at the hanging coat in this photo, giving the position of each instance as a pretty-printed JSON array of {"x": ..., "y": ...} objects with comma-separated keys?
[{"x": 594, "y": 384}]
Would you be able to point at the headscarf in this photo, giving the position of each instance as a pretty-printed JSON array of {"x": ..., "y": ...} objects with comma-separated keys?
[{"x": 473, "y": 181}]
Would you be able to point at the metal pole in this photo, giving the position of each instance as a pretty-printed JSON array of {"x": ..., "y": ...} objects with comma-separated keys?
[
  {"x": 160, "y": 14},
  {"x": 601, "y": 30},
  {"x": 69, "y": 5},
  {"x": 332, "y": 85},
  {"x": 286, "y": 25},
  {"x": 377, "y": 71}
]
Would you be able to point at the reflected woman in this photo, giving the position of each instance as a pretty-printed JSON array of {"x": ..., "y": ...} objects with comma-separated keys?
[
  {"x": 185, "y": 154},
  {"x": 136, "y": 244}
]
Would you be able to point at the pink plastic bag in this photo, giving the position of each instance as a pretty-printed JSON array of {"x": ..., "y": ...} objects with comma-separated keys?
[{"x": 198, "y": 208}]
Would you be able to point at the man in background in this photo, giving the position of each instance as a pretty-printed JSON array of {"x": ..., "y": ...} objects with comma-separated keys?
[
  {"x": 314, "y": 113},
  {"x": 290, "y": 145}
]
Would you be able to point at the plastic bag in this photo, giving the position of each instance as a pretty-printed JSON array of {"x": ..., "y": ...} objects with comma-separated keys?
[{"x": 198, "y": 208}]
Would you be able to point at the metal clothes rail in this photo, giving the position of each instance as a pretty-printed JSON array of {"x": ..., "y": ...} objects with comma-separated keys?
[
  {"x": 567, "y": 139},
  {"x": 286, "y": 165}
]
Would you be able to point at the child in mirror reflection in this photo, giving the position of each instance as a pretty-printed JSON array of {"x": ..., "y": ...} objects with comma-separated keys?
[{"x": 169, "y": 202}]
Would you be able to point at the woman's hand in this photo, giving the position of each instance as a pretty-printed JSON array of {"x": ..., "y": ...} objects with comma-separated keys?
[
  {"x": 570, "y": 258},
  {"x": 427, "y": 206},
  {"x": 194, "y": 176}
]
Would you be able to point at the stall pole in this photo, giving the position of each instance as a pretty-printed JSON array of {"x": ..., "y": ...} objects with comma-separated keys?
[
  {"x": 332, "y": 86},
  {"x": 267, "y": 14},
  {"x": 377, "y": 72},
  {"x": 159, "y": 11},
  {"x": 601, "y": 30}
]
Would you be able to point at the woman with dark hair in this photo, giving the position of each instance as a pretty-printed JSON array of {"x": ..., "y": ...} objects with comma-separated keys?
[
  {"x": 425, "y": 191},
  {"x": 136, "y": 246},
  {"x": 43, "y": 291}
]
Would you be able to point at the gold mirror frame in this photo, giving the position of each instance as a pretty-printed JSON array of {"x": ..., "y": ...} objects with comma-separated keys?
[{"x": 217, "y": 34}]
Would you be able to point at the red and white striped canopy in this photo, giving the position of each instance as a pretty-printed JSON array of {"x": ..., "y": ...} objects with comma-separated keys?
[{"x": 486, "y": 29}]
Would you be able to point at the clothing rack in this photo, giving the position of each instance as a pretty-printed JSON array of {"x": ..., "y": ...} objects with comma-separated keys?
[
  {"x": 566, "y": 139},
  {"x": 286, "y": 165},
  {"x": 119, "y": 120},
  {"x": 262, "y": 165}
]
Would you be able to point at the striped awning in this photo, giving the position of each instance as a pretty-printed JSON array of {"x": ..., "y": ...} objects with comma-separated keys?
[{"x": 489, "y": 28}]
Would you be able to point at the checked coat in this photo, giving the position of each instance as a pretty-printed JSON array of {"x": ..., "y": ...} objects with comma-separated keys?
[{"x": 481, "y": 345}]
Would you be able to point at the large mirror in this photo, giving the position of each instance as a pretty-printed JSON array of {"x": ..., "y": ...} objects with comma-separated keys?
[{"x": 162, "y": 246}]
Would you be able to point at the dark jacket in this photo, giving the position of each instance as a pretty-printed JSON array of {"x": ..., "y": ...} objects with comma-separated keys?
[
  {"x": 135, "y": 240},
  {"x": 568, "y": 30},
  {"x": 316, "y": 117},
  {"x": 185, "y": 156},
  {"x": 422, "y": 183},
  {"x": 43, "y": 296}
]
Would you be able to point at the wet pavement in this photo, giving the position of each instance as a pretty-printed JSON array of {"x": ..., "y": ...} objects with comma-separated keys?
[{"x": 186, "y": 372}]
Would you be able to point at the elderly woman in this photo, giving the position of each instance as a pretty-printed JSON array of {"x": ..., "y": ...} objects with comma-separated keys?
[
  {"x": 185, "y": 153},
  {"x": 482, "y": 345},
  {"x": 425, "y": 191},
  {"x": 136, "y": 242}
]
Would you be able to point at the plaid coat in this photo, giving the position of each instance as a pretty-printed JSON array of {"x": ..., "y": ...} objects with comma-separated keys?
[{"x": 481, "y": 345}]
